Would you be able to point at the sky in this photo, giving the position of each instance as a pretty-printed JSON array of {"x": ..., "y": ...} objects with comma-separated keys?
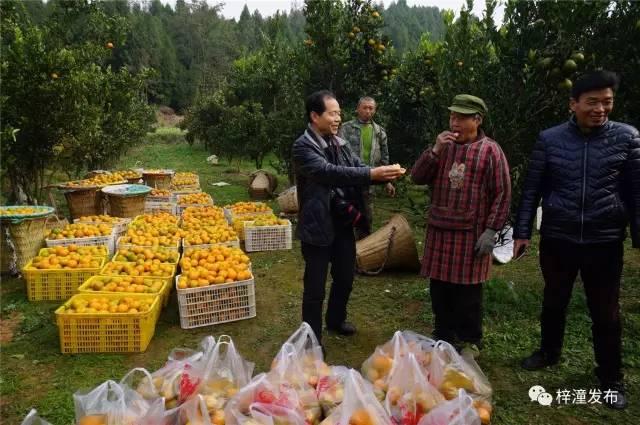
[{"x": 233, "y": 8}]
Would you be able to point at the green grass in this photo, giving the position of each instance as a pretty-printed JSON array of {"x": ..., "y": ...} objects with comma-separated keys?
[{"x": 35, "y": 374}]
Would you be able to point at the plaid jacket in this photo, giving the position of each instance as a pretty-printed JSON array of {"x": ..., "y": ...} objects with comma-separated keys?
[{"x": 471, "y": 191}]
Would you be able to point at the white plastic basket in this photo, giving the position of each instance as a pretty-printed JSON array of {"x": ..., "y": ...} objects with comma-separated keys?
[
  {"x": 266, "y": 238},
  {"x": 108, "y": 240},
  {"x": 235, "y": 243},
  {"x": 153, "y": 206},
  {"x": 210, "y": 305},
  {"x": 170, "y": 198},
  {"x": 230, "y": 216}
]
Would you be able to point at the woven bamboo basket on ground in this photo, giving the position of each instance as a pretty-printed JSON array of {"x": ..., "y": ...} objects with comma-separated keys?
[
  {"x": 391, "y": 246},
  {"x": 288, "y": 201},
  {"x": 6, "y": 249},
  {"x": 262, "y": 184},
  {"x": 84, "y": 202},
  {"x": 27, "y": 238},
  {"x": 121, "y": 202}
]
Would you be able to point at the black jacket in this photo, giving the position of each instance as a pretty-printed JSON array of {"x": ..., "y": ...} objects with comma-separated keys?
[
  {"x": 589, "y": 184},
  {"x": 316, "y": 176}
]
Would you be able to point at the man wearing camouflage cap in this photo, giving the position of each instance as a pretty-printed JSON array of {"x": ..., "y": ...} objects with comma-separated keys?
[{"x": 470, "y": 195}]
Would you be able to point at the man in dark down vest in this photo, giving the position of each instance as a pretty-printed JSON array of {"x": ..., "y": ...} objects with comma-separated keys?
[{"x": 586, "y": 171}]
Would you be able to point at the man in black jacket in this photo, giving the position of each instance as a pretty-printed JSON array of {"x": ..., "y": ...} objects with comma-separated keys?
[
  {"x": 330, "y": 181},
  {"x": 587, "y": 173}
]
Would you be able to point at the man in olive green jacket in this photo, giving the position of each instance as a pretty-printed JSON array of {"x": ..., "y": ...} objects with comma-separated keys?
[{"x": 368, "y": 140}]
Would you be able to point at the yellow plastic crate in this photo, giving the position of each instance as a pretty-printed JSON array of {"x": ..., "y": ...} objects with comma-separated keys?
[
  {"x": 107, "y": 332},
  {"x": 60, "y": 284},
  {"x": 165, "y": 290}
]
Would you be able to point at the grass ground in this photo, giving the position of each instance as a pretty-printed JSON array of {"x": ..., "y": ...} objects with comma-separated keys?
[{"x": 34, "y": 374}]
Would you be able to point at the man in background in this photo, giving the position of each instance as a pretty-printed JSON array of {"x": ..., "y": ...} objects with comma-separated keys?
[{"x": 368, "y": 141}]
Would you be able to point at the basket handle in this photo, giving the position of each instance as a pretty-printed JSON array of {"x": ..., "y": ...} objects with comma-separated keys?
[{"x": 386, "y": 256}]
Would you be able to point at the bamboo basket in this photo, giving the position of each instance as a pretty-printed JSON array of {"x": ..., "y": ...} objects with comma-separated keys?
[
  {"x": 6, "y": 249},
  {"x": 126, "y": 201},
  {"x": 125, "y": 206},
  {"x": 157, "y": 180},
  {"x": 27, "y": 238},
  {"x": 288, "y": 201},
  {"x": 262, "y": 185},
  {"x": 83, "y": 202},
  {"x": 391, "y": 246}
]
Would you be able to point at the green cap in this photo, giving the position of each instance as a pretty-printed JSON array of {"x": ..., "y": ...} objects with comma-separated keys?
[{"x": 468, "y": 104}]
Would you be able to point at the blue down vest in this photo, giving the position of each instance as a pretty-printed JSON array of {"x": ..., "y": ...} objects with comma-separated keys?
[{"x": 589, "y": 184}]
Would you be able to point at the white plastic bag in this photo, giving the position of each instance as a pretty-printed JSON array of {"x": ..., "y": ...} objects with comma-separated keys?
[
  {"x": 330, "y": 389},
  {"x": 111, "y": 404},
  {"x": 378, "y": 366},
  {"x": 281, "y": 396},
  {"x": 410, "y": 395},
  {"x": 225, "y": 372},
  {"x": 458, "y": 411},
  {"x": 360, "y": 406},
  {"x": 450, "y": 372},
  {"x": 168, "y": 381},
  {"x": 32, "y": 418},
  {"x": 309, "y": 352}
]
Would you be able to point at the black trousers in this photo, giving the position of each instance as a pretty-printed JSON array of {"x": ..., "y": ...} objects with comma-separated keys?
[
  {"x": 342, "y": 257},
  {"x": 600, "y": 267},
  {"x": 457, "y": 311}
]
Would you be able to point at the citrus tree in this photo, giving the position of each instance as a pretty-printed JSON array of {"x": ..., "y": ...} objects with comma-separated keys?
[{"x": 63, "y": 109}]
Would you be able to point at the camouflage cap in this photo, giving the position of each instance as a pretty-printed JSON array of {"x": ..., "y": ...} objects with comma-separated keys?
[{"x": 468, "y": 104}]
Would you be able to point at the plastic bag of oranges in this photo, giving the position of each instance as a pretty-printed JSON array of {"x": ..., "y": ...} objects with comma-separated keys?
[
  {"x": 409, "y": 395},
  {"x": 360, "y": 405},
  {"x": 308, "y": 353},
  {"x": 279, "y": 396},
  {"x": 223, "y": 373},
  {"x": 458, "y": 411},
  {"x": 111, "y": 403}
]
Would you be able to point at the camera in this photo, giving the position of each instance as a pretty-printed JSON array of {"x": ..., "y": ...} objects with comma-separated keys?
[{"x": 344, "y": 210}]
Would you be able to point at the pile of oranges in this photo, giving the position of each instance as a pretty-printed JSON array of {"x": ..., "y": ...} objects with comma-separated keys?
[
  {"x": 62, "y": 258},
  {"x": 133, "y": 284},
  {"x": 209, "y": 215},
  {"x": 102, "y": 218},
  {"x": 97, "y": 180},
  {"x": 185, "y": 179},
  {"x": 160, "y": 193},
  {"x": 248, "y": 207},
  {"x": 108, "y": 305},
  {"x": 128, "y": 174},
  {"x": 141, "y": 255},
  {"x": 200, "y": 198},
  {"x": 219, "y": 233},
  {"x": 215, "y": 265},
  {"x": 80, "y": 230},
  {"x": 63, "y": 251},
  {"x": 268, "y": 220},
  {"x": 149, "y": 268},
  {"x": 158, "y": 218},
  {"x": 22, "y": 211},
  {"x": 150, "y": 231},
  {"x": 206, "y": 225}
]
